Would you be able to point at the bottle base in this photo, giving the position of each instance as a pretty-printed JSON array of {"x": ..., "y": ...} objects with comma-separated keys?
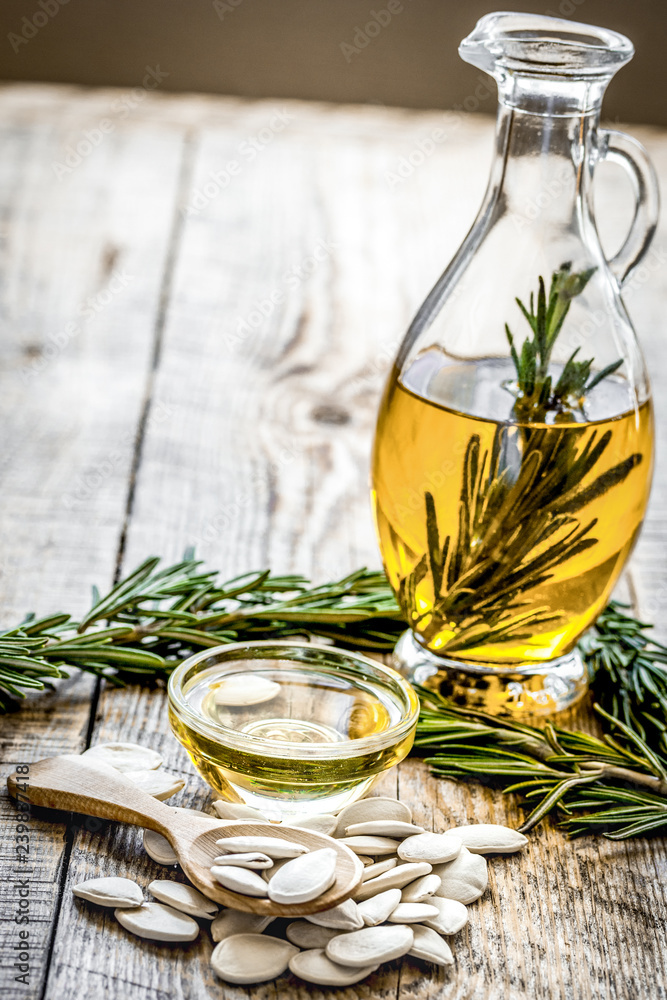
[{"x": 521, "y": 690}]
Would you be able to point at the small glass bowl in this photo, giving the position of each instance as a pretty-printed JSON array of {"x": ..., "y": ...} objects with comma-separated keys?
[{"x": 317, "y": 727}]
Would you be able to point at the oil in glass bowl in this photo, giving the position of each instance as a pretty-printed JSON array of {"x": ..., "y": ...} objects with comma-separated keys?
[{"x": 293, "y": 729}]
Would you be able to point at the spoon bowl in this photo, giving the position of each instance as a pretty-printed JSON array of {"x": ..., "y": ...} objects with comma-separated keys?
[
  {"x": 202, "y": 850},
  {"x": 67, "y": 783}
]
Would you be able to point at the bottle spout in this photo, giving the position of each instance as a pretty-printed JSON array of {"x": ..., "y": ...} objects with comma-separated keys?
[{"x": 506, "y": 42}]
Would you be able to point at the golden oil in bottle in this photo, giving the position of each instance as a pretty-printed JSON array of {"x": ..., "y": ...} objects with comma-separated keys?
[
  {"x": 502, "y": 540},
  {"x": 320, "y": 741}
]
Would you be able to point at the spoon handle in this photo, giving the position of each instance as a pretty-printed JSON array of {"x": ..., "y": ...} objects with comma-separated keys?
[{"x": 67, "y": 784}]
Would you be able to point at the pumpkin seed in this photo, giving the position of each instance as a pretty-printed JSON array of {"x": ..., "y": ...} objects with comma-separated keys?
[
  {"x": 240, "y": 880},
  {"x": 183, "y": 897},
  {"x": 159, "y": 849},
  {"x": 325, "y": 823},
  {"x": 430, "y": 946},
  {"x": 365, "y": 810},
  {"x": 384, "y": 828},
  {"x": 395, "y": 878},
  {"x": 306, "y": 935},
  {"x": 435, "y": 848},
  {"x": 244, "y": 689},
  {"x": 371, "y": 945},
  {"x": 304, "y": 878},
  {"x": 488, "y": 838},
  {"x": 452, "y": 915},
  {"x": 376, "y": 846},
  {"x": 117, "y": 892},
  {"x": 268, "y": 873},
  {"x": 273, "y": 846},
  {"x": 375, "y": 910},
  {"x": 316, "y": 967},
  {"x": 94, "y": 763},
  {"x": 372, "y": 871},
  {"x": 465, "y": 878},
  {"x": 251, "y": 958},
  {"x": 255, "y": 860},
  {"x": 229, "y": 922},
  {"x": 158, "y": 922},
  {"x": 124, "y": 757},
  {"x": 159, "y": 784},
  {"x": 421, "y": 889},
  {"x": 344, "y": 917},
  {"x": 412, "y": 913},
  {"x": 238, "y": 810}
]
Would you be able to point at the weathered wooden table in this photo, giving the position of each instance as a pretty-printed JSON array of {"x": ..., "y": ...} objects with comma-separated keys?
[{"x": 200, "y": 299}]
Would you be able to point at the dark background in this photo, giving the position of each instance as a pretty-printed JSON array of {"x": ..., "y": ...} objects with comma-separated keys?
[{"x": 292, "y": 48}]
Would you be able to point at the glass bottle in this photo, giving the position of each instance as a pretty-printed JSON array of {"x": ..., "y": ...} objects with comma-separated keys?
[{"x": 513, "y": 453}]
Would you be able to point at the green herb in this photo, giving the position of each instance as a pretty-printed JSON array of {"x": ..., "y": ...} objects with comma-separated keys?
[
  {"x": 525, "y": 490},
  {"x": 151, "y": 620},
  {"x": 481, "y": 577},
  {"x": 154, "y": 618},
  {"x": 536, "y": 394},
  {"x": 615, "y": 785},
  {"x": 630, "y": 671}
]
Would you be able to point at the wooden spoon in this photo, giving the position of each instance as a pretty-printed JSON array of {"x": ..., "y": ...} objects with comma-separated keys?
[{"x": 71, "y": 785}]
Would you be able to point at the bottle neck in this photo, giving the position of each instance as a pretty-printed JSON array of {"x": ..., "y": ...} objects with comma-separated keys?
[{"x": 542, "y": 168}]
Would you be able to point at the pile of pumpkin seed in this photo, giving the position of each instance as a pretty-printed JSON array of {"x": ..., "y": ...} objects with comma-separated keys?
[{"x": 414, "y": 895}]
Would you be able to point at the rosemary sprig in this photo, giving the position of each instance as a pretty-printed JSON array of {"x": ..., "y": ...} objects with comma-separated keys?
[
  {"x": 536, "y": 394},
  {"x": 522, "y": 492},
  {"x": 629, "y": 670},
  {"x": 615, "y": 785},
  {"x": 481, "y": 576},
  {"x": 155, "y": 617},
  {"x": 146, "y": 624}
]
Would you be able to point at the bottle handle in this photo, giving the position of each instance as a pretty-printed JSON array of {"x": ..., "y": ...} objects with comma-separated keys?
[{"x": 617, "y": 147}]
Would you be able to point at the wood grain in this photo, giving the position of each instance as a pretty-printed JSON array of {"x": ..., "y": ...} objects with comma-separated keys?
[
  {"x": 253, "y": 444},
  {"x": 72, "y": 385}
]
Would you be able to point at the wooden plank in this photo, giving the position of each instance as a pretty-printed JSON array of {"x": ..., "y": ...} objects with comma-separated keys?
[
  {"x": 645, "y": 298},
  {"x": 81, "y": 271}
]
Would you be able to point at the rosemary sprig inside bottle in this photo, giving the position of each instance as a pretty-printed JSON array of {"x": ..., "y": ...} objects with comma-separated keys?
[
  {"x": 528, "y": 504},
  {"x": 536, "y": 394}
]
